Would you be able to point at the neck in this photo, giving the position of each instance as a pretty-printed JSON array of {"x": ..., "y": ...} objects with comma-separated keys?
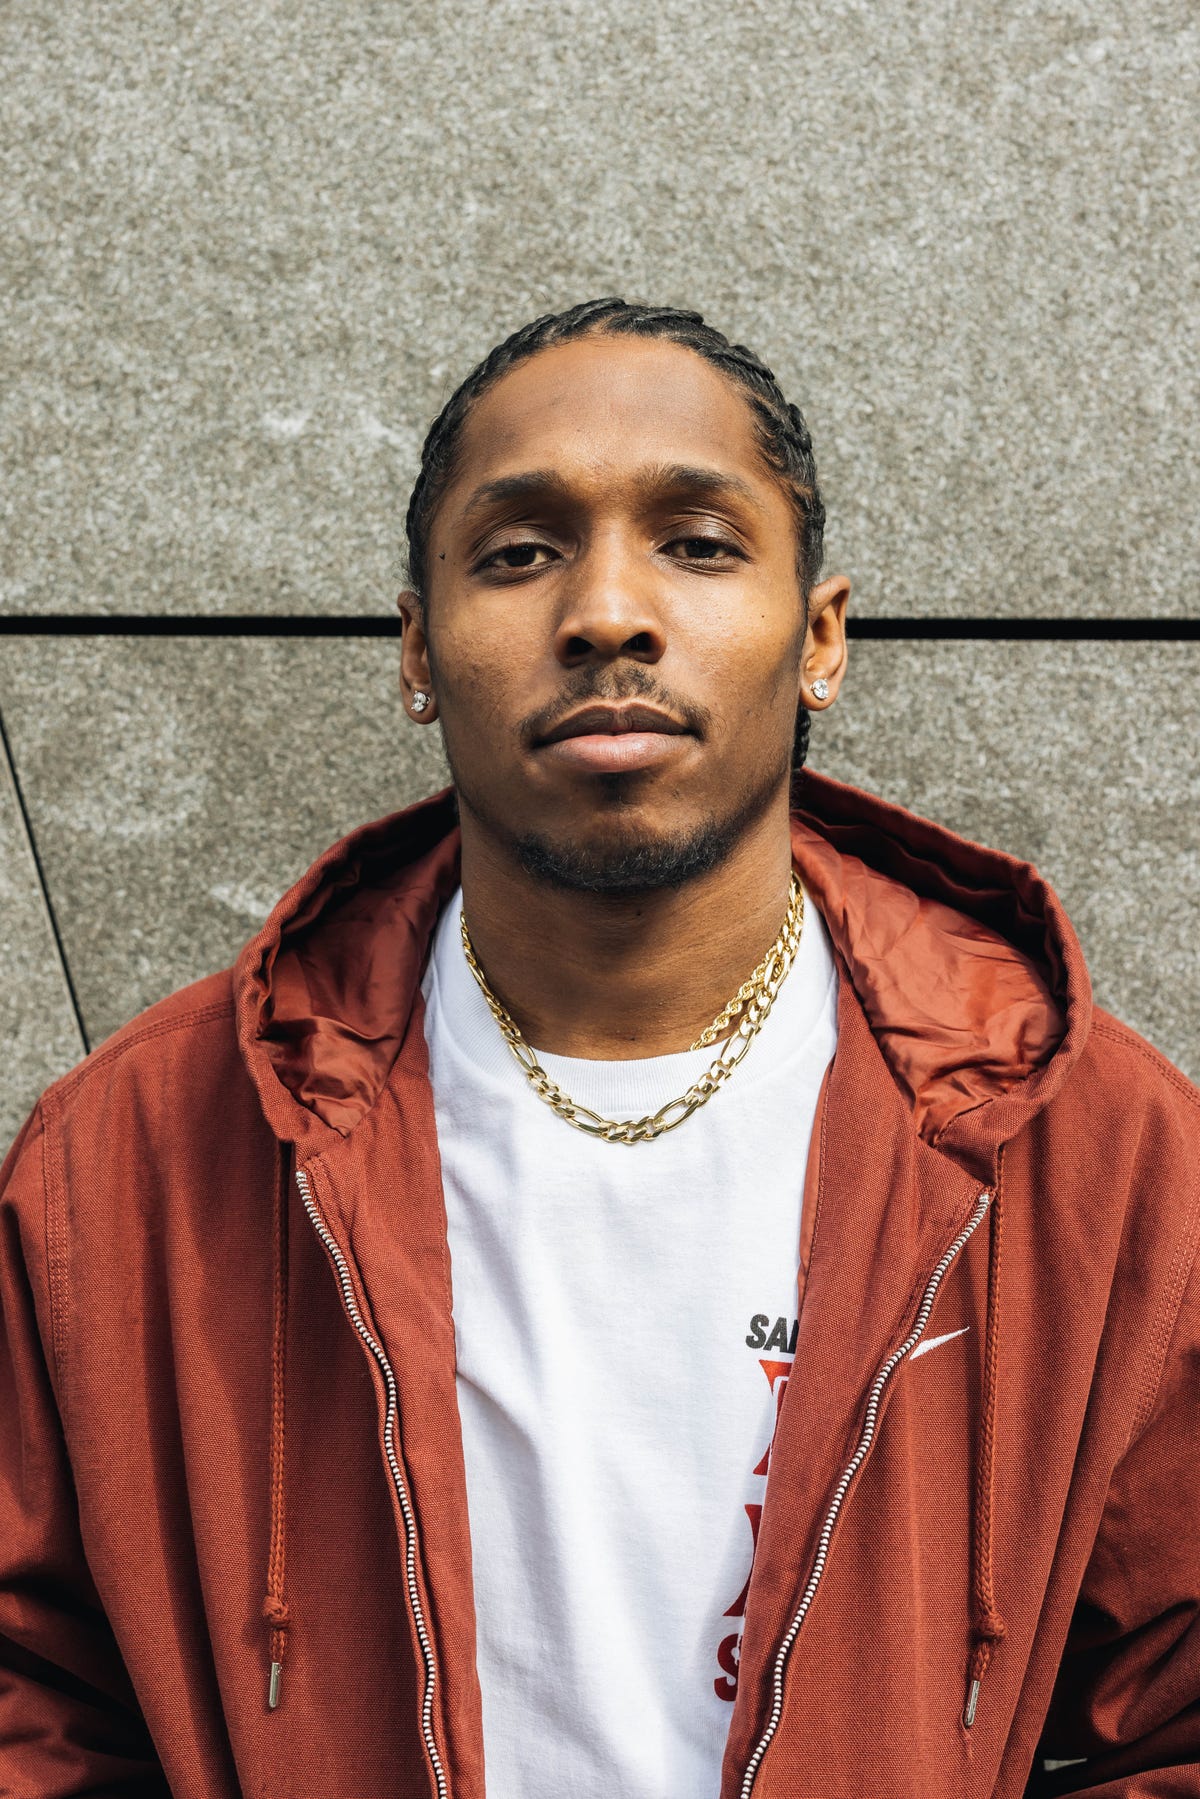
[{"x": 616, "y": 976}]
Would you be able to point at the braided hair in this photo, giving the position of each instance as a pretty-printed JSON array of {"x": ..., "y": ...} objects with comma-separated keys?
[{"x": 782, "y": 433}]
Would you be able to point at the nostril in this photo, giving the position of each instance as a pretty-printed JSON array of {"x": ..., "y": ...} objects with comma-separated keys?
[
  {"x": 640, "y": 645},
  {"x": 575, "y": 647}
]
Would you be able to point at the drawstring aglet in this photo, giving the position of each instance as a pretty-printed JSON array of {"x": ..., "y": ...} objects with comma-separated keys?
[
  {"x": 979, "y": 1665},
  {"x": 275, "y": 1612}
]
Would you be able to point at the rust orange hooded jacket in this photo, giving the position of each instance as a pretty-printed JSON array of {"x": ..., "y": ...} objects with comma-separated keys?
[{"x": 229, "y": 1447}]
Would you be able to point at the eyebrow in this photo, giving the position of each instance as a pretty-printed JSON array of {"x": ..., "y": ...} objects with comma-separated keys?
[
  {"x": 663, "y": 481},
  {"x": 537, "y": 484},
  {"x": 709, "y": 483}
]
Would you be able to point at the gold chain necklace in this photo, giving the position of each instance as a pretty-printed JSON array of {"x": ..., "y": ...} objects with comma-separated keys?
[{"x": 753, "y": 1000}]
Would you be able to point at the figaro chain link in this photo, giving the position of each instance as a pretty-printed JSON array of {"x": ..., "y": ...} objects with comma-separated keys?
[{"x": 753, "y": 1001}]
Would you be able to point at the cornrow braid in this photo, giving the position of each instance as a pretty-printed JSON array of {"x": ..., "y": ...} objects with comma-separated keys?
[{"x": 782, "y": 432}]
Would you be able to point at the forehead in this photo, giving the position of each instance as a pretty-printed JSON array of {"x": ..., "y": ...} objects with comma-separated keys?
[{"x": 605, "y": 406}]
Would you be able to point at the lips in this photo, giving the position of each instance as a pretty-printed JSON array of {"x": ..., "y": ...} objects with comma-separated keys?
[
  {"x": 615, "y": 721},
  {"x": 615, "y": 739}
]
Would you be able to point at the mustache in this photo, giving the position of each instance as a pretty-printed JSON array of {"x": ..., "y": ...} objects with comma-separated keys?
[{"x": 613, "y": 687}]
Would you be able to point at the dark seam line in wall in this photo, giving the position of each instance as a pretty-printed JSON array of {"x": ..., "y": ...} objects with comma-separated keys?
[
  {"x": 48, "y": 904},
  {"x": 266, "y": 624}
]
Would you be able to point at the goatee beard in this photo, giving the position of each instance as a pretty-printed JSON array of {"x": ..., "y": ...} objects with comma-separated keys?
[{"x": 638, "y": 865}]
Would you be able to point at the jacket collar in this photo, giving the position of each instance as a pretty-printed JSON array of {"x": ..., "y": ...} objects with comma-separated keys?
[{"x": 964, "y": 962}]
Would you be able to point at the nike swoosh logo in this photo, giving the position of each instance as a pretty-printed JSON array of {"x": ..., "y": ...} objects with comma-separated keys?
[{"x": 936, "y": 1342}]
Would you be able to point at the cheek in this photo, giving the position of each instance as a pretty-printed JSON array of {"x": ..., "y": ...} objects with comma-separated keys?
[
  {"x": 481, "y": 646},
  {"x": 475, "y": 697},
  {"x": 460, "y": 658},
  {"x": 756, "y": 664}
]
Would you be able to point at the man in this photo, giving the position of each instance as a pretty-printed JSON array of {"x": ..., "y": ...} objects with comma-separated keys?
[{"x": 649, "y": 1275}]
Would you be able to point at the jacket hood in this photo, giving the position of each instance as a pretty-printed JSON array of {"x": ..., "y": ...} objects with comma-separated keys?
[{"x": 962, "y": 959}]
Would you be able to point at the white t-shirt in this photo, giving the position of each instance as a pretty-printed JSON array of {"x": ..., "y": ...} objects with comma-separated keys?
[{"x": 624, "y": 1320}]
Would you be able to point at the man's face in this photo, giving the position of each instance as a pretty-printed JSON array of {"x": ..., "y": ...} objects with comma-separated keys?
[{"x": 614, "y": 626}]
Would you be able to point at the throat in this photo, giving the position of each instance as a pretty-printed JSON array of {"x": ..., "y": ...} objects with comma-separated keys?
[{"x": 650, "y": 978}]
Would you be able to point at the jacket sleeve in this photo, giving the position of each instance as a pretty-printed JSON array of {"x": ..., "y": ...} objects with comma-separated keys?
[
  {"x": 1127, "y": 1697},
  {"x": 69, "y": 1721}
]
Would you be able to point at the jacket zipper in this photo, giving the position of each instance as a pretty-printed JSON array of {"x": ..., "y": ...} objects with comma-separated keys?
[
  {"x": 874, "y": 1397},
  {"x": 398, "y": 1480}
]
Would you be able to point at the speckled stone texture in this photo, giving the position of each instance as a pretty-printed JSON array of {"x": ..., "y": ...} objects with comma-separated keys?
[
  {"x": 178, "y": 787},
  {"x": 38, "y": 1031},
  {"x": 1083, "y": 759},
  {"x": 251, "y": 248}
]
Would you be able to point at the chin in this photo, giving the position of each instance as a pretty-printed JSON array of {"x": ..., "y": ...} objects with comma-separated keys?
[
  {"x": 625, "y": 861},
  {"x": 621, "y": 847}
]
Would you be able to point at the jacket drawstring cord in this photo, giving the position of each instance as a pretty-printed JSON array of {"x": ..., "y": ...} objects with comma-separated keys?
[
  {"x": 989, "y": 1627},
  {"x": 274, "y": 1607}
]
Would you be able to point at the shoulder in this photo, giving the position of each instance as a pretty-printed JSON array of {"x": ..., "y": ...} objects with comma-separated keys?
[
  {"x": 1116, "y": 1057},
  {"x": 1114, "y": 1156},
  {"x": 148, "y": 1125},
  {"x": 162, "y": 1061},
  {"x": 114, "y": 1117},
  {"x": 1142, "y": 1123},
  {"x": 1128, "y": 1150},
  {"x": 1127, "y": 1120}
]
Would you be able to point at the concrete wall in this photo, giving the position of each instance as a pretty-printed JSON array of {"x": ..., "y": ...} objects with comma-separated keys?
[{"x": 249, "y": 250}]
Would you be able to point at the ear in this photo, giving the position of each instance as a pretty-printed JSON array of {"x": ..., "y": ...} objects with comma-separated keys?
[
  {"x": 824, "y": 656},
  {"x": 415, "y": 675}
]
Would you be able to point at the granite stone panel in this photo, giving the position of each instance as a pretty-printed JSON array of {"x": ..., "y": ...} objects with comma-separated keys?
[
  {"x": 38, "y": 1030},
  {"x": 1083, "y": 759},
  {"x": 178, "y": 787},
  {"x": 251, "y": 248}
]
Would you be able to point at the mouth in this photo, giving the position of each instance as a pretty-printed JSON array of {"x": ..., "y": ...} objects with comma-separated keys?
[
  {"x": 614, "y": 739},
  {"x": 613, "y": 721}
]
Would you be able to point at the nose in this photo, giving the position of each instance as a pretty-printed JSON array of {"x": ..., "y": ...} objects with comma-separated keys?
[{"x": 609, "y": 609}]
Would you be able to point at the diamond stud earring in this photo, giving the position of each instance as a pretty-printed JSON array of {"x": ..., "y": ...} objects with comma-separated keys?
[
  {"x": 419, "y": 700},
  {"x": 820, "y": 688}
]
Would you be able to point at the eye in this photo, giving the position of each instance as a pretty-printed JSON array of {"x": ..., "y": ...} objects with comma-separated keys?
[
  {"x": 515, "y": 556},
  {"x": 704, "y": 549}
]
